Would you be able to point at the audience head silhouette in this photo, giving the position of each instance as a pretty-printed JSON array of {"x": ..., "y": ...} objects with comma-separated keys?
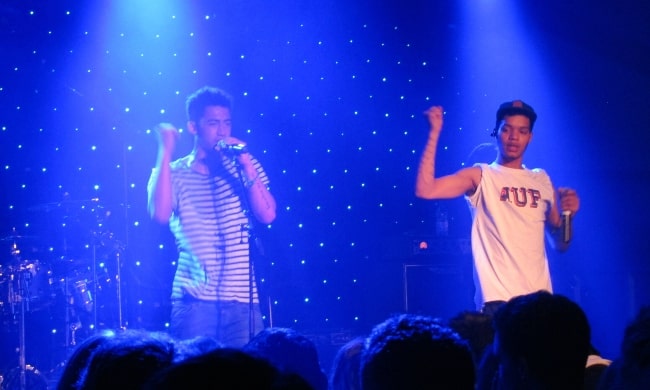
[
  {"x": 409, "y": 351},
  {"x": 291, "y": 352},
  {"x": 541, "y": 342},
  {"x": 78, "y": 360},
  {"x": 631, "y": 370},
  {"x": 228, "y": 368},
  {"x": 195, "y": 346},
  {"x": 127, "y": 360},
  {"x": 344, "y": 374},
  {"x": 476, "y": 328}
]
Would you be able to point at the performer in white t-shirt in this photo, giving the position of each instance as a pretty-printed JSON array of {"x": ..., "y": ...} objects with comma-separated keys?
[{"x": 512, "y": 208}]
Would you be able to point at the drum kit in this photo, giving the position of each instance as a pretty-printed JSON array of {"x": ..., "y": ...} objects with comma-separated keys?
[{"x": 57, "y": 287}]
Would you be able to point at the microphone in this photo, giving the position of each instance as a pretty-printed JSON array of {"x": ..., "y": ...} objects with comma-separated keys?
[
  {"x": 235, "y": 149},
  {"x": 566, "y": 226}
]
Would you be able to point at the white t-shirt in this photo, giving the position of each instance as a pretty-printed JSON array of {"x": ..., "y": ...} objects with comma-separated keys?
[{"x": 509, "y": 210}]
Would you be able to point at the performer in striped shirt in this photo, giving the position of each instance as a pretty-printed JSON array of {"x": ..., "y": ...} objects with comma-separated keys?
[{"x": 211, "y": 198}]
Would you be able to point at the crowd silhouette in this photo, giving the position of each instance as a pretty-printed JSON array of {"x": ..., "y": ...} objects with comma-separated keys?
[{"x": 535, "y": 341}]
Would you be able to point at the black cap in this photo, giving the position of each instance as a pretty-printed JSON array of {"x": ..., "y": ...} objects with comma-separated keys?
[{"x": 515, "y": 107}]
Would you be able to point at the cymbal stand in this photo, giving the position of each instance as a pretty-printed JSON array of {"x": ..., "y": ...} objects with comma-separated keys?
[
  {"x": 118, "y": 248},
  {"x": 23, "y": 291},
  {"x": 118, "y": 287},
  {"x": 19, "y": 289},
  {"x": 95, "y": 282},
  {"x": 72, "y": 320},
  {"x": 117, "y": 277}
]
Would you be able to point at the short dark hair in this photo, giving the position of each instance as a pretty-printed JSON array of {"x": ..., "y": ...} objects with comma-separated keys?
[
  {"x": 290, "y": 351},
  {"x": 414, "y": 351},
  {"x": 127, "y": 360},
  {"x": 549, "y": 332},
  {"x": 203, "y": 97}
]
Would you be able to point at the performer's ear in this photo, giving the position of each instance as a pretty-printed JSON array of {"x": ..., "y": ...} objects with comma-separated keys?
[{"x": 192, "y": 127}]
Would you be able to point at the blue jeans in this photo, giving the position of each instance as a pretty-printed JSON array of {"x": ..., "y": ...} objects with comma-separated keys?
[{"x": 231, "y": 323}]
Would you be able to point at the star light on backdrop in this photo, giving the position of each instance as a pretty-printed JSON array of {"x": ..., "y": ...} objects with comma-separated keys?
[{"x": 328, "y": 96}]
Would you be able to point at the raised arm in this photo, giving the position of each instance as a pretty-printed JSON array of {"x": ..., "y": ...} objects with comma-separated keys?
[
  {"x": 262, "y": 202},
  {"x": 160, "y": 186},
  {"x": 427, "y": 185}
]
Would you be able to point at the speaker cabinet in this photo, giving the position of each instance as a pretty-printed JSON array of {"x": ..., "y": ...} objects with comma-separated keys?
[{"x": 438, "y": 289}]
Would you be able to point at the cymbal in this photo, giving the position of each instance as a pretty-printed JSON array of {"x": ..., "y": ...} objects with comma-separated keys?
[
  {"x": 72, "y": 260},
  {"x": 17, "y": 237},
  {"x": 70, "y": 266},
  {"x": 65, "y": 205}
]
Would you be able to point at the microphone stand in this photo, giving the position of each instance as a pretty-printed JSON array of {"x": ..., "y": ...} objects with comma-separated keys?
[{"x": 252, "y": 239}]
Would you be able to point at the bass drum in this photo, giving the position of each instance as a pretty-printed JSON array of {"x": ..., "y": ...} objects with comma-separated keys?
[{"x": 79, "y": 293}]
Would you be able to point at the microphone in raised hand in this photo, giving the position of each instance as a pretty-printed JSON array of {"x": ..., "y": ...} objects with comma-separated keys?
[{"x": 234, "y": 149}]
